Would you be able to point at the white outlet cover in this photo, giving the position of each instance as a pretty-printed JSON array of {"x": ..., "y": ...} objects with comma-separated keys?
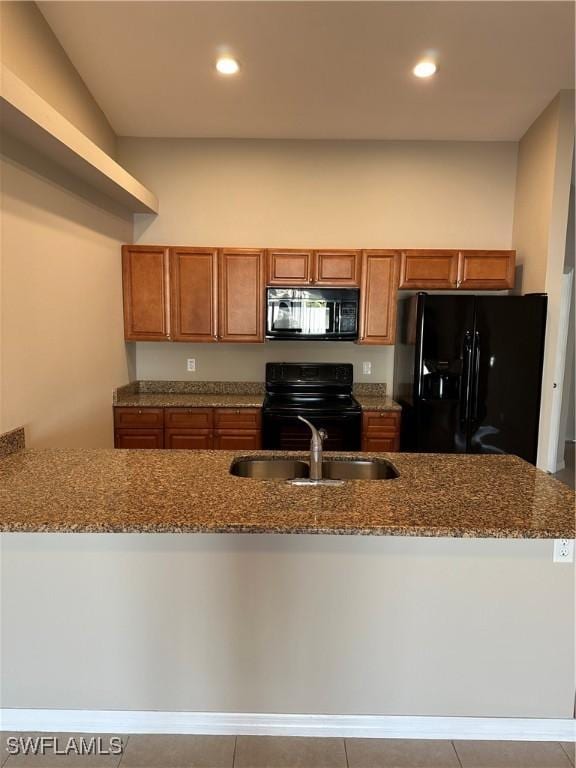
[
  {"x": 367, "y": 368},
  {"x": 563, "y": 551},
  {"x": 191, "y": 364}
]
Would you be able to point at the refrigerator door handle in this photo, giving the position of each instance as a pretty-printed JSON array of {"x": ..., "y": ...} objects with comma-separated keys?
[
  {"x": 466, "y": 378},
  {"x": 476, "y": 376}
]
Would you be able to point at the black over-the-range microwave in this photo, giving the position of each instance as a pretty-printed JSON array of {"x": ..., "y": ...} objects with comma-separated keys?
[{"x": 327, "y": 314}]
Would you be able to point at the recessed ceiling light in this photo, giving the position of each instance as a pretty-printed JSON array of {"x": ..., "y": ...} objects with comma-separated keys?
[
  {"x": 424, "y": 69},
  {"x": 227, "y": 65}
]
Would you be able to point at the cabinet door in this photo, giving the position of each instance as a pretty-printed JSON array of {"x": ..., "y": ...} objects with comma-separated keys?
[
  {"x": 337, "y": 268},
  {"x": 381, "y": 444},
  {"x": 239, "y": 441},
  {"x": 193, "y": 293},
  {"x": 241, "y": 295},
  {"x": 188, "y": 439},
  {"x": 486, "y": 270},
  {"x": 139, "y": 438},
  {"x": 381, "y": 431},
  {"x": 428, "y": 269},
  {"x": 378, "y": 297},
  {"x": 289, "y": 267},
  {"x": 145, "y": 284}
]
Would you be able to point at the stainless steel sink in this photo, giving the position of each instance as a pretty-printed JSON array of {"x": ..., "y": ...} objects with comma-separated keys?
[
  {"x": 337, "y": 469},
  {"x": 269, "y": 468},
  {"x": 358, "y": 469}
]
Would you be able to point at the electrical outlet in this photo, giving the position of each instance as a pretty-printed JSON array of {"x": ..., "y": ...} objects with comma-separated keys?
[
  {"x": 563, "y": 550},
  {"x": 191, "y": 364},
  {"x": 367, "y": 369}
]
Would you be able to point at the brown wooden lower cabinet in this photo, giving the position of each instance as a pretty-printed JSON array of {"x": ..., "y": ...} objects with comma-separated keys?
[
  {"x": 139, "y": 438},
  {"x": 381, "y": 430},
  {"x": 189, "y": 439},
  {"x": 226, "y": 429},
  {"x": 237, "y": 441}
]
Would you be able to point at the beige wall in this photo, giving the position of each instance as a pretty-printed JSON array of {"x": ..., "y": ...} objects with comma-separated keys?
[
  {"x": 62, "y": 348},
  {"x": 31, "y": 50},
  {"x": 316, "y": 193},
  {"x": 540, "y": 229},
  {"x": 247, "y": 362},
  {"x": 287, "y": 624}
]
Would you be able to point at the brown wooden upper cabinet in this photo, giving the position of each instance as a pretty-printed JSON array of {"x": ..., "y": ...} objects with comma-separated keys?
[
  {"x": 486, "y": 270},
  {"x": 290, "y": 267},
  {"x": 193, "y": 294},
  {"x": 321, "y": 267},
  {"x": 145, "y": 277},
  {"x": 420, "y": 269},
  {"x": 241, "y": 295},
  {"x": 337, "y": 268},
  {"x": 378, "y": 297},
  {"x": 464, "y": 270}
]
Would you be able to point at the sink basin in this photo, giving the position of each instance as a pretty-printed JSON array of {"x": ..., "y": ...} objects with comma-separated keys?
[
  {"x": 358, "y": 469},
  {"x": 269, "y": 468},
  {"x": 279, "y": 468}
]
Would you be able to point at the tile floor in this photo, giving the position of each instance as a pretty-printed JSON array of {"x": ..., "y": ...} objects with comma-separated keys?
[{"x": 296, "y": 752}]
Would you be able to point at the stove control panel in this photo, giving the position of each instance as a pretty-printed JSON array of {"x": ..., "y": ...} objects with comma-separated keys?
[{"x": 323, "y": 374}]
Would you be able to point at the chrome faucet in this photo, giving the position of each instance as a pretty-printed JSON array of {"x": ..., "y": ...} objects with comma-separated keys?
[{"x": 318, "y": 437}]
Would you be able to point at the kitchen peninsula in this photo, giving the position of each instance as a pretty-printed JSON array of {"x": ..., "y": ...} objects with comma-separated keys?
[{"x": 450, "y": 562}]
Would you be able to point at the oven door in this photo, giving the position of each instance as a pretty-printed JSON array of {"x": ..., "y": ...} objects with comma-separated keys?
[{"x": 285, "y": 432}]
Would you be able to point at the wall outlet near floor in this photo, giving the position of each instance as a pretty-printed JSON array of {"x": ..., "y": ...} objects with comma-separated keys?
[
  {"x": 563, "y": 550},
  {"x": 367, "y": 369},
  {"x": 191, "y": 364}
]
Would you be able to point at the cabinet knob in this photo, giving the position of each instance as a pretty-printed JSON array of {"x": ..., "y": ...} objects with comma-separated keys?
[{"x": 139, "y": 411}]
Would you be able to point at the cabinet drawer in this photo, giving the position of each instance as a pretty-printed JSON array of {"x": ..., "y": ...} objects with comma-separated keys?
[
  {"x": 139, "y": 438},
  {"x": 377, "y": 444},
  {"x": 243, "y": 441},
  {"x": 380, "y": 423},
  {"x": 139, "y": 418},
  {"x": 189, "y": 418},
  {"x": 189, "y": 439},
  {"x": 237, "y": 418}
]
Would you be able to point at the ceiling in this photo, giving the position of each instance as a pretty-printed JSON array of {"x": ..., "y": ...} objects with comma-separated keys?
[{"x": 319, "y": 70}]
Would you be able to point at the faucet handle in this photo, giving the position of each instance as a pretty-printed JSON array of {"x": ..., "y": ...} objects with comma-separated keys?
[{"x": 322, "y": 434}]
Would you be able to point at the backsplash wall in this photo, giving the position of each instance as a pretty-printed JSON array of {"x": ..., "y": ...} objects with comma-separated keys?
[{"x": 246, "y": 362}]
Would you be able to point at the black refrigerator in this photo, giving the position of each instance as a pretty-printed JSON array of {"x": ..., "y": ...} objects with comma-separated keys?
[{"x": 468, "y": 373}]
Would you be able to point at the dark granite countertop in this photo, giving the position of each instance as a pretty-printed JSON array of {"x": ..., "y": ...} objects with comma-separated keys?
[
  {"x": 188, "y": 400},
  {"x": 105, "y": 490},
  {"x": 228, "y": 394}
]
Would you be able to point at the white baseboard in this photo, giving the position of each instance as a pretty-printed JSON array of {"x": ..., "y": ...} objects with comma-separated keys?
[{"x": 349, "y": 726}]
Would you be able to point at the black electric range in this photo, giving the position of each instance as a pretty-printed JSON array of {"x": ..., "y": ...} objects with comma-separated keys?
[{"x": 322, "y": 393}]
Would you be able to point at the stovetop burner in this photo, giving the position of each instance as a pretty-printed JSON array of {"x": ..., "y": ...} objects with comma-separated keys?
[{"x": 310, "y": 387}]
